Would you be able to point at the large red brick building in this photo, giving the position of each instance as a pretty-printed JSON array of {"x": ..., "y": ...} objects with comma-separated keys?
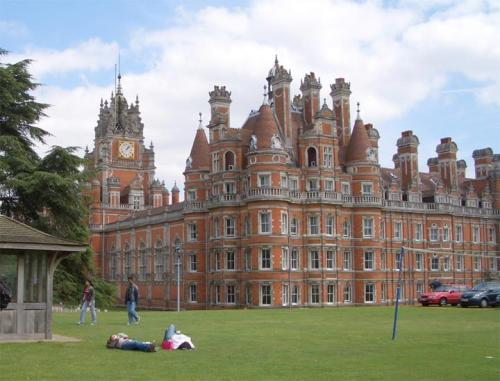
[{"x": 291, "y": 209}]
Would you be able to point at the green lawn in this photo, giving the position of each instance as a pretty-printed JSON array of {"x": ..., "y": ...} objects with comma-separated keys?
[{"x": 304, "y": 344}]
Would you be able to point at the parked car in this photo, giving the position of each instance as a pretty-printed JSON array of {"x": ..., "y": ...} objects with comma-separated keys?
[
  {"x": 482, "y": 295},
  {"x": 443, "y": 295}
]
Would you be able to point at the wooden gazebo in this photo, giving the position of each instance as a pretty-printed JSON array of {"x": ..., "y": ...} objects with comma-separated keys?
[{"x": 28, "y": 259}]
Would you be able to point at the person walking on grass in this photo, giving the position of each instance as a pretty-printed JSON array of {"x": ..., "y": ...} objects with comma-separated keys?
[
  {"x": 131, "y": 299},
  {"x": 88, "y": 301}
]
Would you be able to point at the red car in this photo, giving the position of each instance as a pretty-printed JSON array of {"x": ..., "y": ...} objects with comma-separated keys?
[{"x": 443, "y": 295}]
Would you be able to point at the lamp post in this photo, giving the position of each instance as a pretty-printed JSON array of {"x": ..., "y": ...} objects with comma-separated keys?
[{"x": 178, "y": 254}]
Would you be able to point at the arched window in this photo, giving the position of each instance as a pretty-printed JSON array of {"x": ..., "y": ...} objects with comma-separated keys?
[
  {"x": 312, "y": 160},
  {"x": 159, "y": 261},
  {"x": 229, "y": 161},
  {"x": 142, "y": 261},
  {"x": 128, "y": 260}
]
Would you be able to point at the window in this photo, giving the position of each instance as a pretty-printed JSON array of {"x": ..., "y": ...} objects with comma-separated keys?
[
  {"x": 314, "y": 262},
  {"x": 330, "y": 293},
  {"x": 215, "y": 162},
  {"x": 346, "y": 228},
  {"x": 142, "y": 261},
  {"x": 367, "y": 188},
  {"x": 312, "y": 161},
  {"x": 329, "y": 185},
  {"x": 265, "y": 222},
  {"x": 229, "y": 161},
  {"x": 294, "y": 224},
  {"x": 418, "y": 232},
  {"x": 293, "y": 183},
  {"x": 314, "y": 294},
  {"x": 284, "y": 223},
  {"x": 383, "y": 292},
  {"x": 477, "y": 263},
  {"x": 330, "y": 259},
  {"x": 369, "y": 293},
  {"x": 191, "y": 195},
  {"x": 295, "y": 294},
  {"x": 193, "y": 294},
  {"x": 265, "y": 259},
  {"x": 347, "y": 260},
  {"x": 192, "y": 263},
  {"x": 247, "y": 226},
  {"x": 217, "y": 294},
  {"x": 420, "y": 288},
  {"x": 230, "y": 188},
  {"x": 419, "y": 261},
  {"x": 330, "y": 225},
  {"x": 113, "y": 265},
  {"x": 459, "y": 265},
  {"x": 312, "y": 184},
  {"x": 294, "y": 259},
  {"x": 446, "y": 264},
  {"x": 264, "y": 180},
  {"x": 399, "y": 262},
  {"x": 136, "y": 202},
  {"x": 128, "y": 260},
  {"x": 475, "y": 234},
  {"x": 434, "y": 263},
  {"x": 216, "y": 227},
  {"x": 248, "y": 259},
  {"x": 446, "y": 233},
  {"x": 215, "y": 190},
  {"x": 433, "y": 233},
  {"x": 284, "y": 294},
  {"x": 283, "y": 180},
  {"x": 347, "y": 292},
  {"x": 327, "y": 157},
  {"x": 285, "y": 258},
  {"x": 491, "y": 235},
  {"x": 265, "y": 295},
  {"x": 230, "y": 265},
  {"x": 382, "y": 260},
  {"x": 192, "y": 233},
  {"x": 382, "y": 229},
  {"x": 313, "y": 225},
  {"x": 367, "y": 227},
  {"x": 398, "y": 230},
  {"x": 217, "y": 261},
  {"x": 345, "y": 189},
  {"x": 369, "y": 260},
  {"x": 230, "y": 294},
  {"x": 248, "y": 295},
  {"x": 458, "y": 233},
  {"x": 229, "y": 226}
]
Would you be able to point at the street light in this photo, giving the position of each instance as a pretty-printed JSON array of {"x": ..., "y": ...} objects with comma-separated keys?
[{"x": 178, "y": 254}]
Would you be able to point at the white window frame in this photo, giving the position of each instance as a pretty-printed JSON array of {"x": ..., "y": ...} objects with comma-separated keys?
[
  {"x": 264, "y": 252},
  {"x": 331, "y": 293},
  {"x": 267, "y": 224},
  {"x": 314, "y": 294},
  {"x": 193, "y": 293},
  {"x": 266, "y": 291},
  {"x": 330, "y": 225},
  {"x": 284, "y": 223},
  {"x": 346, "y": 260},
  {"x": 261, "y": 176},
  {"x": 459, "y": 233},
  {"x": 294, "y": 226},
  {"x": 369, "y": 293},
  {"x": 366, "y": 188},
  {"x": 367, "y": 227},
  {"x": 419, "y": 262},
  {"x": 193, "y": 263},
  {"x": 230, "y": 262},
  {"x": 418, "y": 232},
  {"x": 229, "y": 227},
  {"x": 328, "y": 157},
  {"x": 313, "y": 224},
  {"x": 398, "y": 231},
  {"x": 294, "y": 259},
  {"x": 330, "y": 259},
  {"x": 314, "y": 259},
  {"x": 433, "y": 233},
  {"x": 369, "y": 260}
]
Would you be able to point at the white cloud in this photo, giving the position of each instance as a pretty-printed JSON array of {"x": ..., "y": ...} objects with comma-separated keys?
[{"x": 394, "y": 57}]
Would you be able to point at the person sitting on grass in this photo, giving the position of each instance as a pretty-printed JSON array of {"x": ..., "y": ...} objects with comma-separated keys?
[
  {"x": 174, "y": 339},
  {"x": 122, "y": 341}
]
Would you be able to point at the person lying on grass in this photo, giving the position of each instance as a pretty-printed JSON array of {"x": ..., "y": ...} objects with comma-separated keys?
[
  {"x": 174, "y": 339},
  {"x": 122, "y": 341}
]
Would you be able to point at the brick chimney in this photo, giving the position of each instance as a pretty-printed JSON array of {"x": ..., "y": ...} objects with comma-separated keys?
[
  {"x": 310, "y": 88},
  {"x": 447, "y": 162},
  {"x": 408, "y": 159},
  {"x": 483, "y": 162},
  {"x": 340, "y": 93}
]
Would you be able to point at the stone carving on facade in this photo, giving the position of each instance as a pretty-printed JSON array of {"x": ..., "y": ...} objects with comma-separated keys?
[
  {"x": 189, "y": 162},
  {"x": 276, "y": 142},
  {"x": 253, "y": 143},
  {"x": 371, "y": 154}
]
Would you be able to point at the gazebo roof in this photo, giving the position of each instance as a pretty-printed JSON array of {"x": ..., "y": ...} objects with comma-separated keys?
[{"x": 17, "y": 236}]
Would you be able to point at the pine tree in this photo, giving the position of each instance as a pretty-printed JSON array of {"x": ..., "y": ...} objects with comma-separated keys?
[{"x": 45, "y": 193}]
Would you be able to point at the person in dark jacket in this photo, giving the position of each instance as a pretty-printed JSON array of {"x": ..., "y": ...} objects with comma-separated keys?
[
  {"x": 88, "y": 301},
  {"x": 131, "y": 299}
]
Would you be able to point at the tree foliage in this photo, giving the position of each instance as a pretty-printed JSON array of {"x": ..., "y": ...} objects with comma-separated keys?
[{"x": 43, "y": 192}]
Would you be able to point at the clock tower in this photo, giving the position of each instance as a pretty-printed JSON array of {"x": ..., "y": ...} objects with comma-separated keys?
[{"x": 124, "y": 167}]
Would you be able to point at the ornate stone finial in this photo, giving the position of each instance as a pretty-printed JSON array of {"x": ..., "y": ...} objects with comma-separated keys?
[
  {"x": 137, "y": 100},
  {"x": 200, "y": 124},
  {"x": 102, "y": 103},
  {"x": 112, "y": 94},
  {"x": 151, "y": 145},
  {"x": 358, "y": 117},
  {"x": 119, "y": 86},
  {"x": 276, "y": 59},
  {"x": 264, "y": 101},
  {"x": 86, "y": 150},
  {"x": 106, "y": 103}
]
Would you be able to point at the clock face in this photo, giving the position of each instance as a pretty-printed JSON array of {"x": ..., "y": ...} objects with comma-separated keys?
[{"x": 126, "y": 150}]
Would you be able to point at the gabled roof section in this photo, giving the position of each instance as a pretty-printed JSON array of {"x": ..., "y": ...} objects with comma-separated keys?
[{"x": 18, "y": 236}]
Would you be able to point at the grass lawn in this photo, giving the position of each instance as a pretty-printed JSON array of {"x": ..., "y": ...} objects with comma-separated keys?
[{"x": 304, "y": 344}]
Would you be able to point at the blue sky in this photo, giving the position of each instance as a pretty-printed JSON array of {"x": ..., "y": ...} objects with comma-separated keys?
[{"x": 432, "y": 66}]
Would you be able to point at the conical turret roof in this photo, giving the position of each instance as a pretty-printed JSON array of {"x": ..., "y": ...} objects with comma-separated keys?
[
  {"x": 265, "y": 127},
  {"x": 199, "y": 157},
  {"x": 359, "y": 143}
]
